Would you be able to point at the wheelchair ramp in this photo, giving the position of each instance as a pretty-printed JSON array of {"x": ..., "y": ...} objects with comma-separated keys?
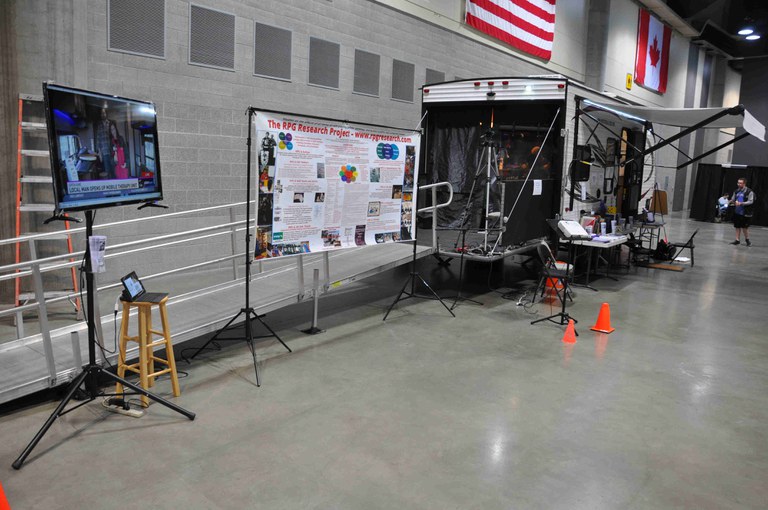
[{"x": 23, "y": 366}]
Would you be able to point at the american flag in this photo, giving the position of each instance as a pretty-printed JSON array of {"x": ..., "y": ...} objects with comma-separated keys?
[{"x": 528, "y": 25}]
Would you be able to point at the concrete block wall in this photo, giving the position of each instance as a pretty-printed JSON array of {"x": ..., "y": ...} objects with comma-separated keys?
[{"x": 201, "y": 111}]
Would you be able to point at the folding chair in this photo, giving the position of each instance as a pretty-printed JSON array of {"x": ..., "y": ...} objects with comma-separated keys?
[
  {"x": 682, "y": 246},
  {"x": 558, "y": 276},
  {"x": 641, "y": 256}
]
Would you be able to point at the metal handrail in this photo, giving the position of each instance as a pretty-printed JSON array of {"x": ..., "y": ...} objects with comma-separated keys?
[
  {"x": 435, "y": 206},
  {"x": 75, "y": 254},
  {"x": 35, "y": 267},
  {"x": 44, "y": 235}
]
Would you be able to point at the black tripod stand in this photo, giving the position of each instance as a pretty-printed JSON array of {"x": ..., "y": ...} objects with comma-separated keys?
[
  {"x": 248, "y": 313},
  {"x": 489, "y": 156},
  {"x": 553, "y": 276},
  {"x": 92, "y": 372},
  {"x": 412, "y": 279},
  {"x": 487, "y": 166}
]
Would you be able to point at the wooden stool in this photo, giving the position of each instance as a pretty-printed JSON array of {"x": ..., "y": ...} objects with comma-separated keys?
[{"x": 146, "y": 364}]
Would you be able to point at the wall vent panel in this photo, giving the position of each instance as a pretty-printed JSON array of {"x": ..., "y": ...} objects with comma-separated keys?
[
  {"x": 367, "y": 72},
  {"x": 211, "y": 38},
  {"x": 272, "y": 52},
  {"x": 324, "y": 63},
  {"x": 136, "y": 26},
  {"x": 403, "y": 80},
  {"x": 434, "y": 76}
]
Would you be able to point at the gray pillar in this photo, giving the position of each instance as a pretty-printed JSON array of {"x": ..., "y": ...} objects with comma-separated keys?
[
  {"x": 678, "y": 197},
  {"x": 597, "y": 43},
  {"x": 706, "y": 81},
  {"x": 9, "y": 94}
]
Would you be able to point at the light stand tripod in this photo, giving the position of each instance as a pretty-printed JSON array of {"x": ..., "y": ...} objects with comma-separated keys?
[
  {"x": 247, "y": 311},
  {"x": 489, "y": 156},
  {"x": 92, "y": 372}
]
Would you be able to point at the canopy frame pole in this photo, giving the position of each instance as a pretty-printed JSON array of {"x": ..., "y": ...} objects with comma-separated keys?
[
  {"x": 721, "y": 146},
  {"x": 736, "y": 110},
  {"x": 690, "y": 160},
  {"x": 614, "y": 133}
]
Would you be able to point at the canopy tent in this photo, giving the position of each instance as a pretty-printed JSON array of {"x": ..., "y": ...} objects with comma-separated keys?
[{"x": 690, "y": 119}]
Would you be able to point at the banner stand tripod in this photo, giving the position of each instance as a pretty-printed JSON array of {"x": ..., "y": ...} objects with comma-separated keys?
[
  {"x": 92, "y": 372},
  {"x": 412, "y": 279},
  {"x": 247, "y": 311}
]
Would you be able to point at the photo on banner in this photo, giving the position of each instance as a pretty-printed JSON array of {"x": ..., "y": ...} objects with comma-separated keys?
[{"x": 326, "y": 184}]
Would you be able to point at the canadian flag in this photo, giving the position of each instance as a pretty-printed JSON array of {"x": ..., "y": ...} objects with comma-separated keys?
[{"x": 652, "y": 58}]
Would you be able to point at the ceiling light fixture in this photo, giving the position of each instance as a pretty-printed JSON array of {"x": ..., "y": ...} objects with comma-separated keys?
[
  {"x": 753, "y": 37},
  {"x": 745, "y": 31}
]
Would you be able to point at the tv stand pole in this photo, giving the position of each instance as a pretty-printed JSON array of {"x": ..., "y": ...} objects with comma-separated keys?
[{"x": 92, "y": 372}]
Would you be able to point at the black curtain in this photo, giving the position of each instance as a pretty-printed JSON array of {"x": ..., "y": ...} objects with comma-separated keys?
[
  {"x": 707, "y": 189},
  {"x": 714, "y": 181},
  {"x": 455, "y": 153}
]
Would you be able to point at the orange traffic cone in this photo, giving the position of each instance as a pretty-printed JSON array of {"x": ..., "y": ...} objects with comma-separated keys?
[
  {"x": 603, "y": 324},
  {"x": 570, "y": 333},
  {"x": 3, "y": 501}
]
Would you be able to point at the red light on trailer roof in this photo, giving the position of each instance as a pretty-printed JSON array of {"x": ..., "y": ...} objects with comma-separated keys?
[
  {"x": 490, "y": 84},
  {"x": 560, "y": 85},
  {"x": 477, "y": 84},
  {"x": 426, "y": 91},
  {"x": 505, "y": 83}
]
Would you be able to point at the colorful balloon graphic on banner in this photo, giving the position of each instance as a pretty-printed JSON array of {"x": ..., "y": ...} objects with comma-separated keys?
[
  {"x": 285, "y": 141},
  {"x": 348, "y": 173},
  {"x": 387, "y": 151}
]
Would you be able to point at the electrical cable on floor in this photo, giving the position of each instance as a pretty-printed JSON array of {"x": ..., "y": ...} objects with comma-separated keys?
[
  {"x": 189, "y": 361},
  {"x": 522, "y": 299},
  {"x": 180, "y": 374}
]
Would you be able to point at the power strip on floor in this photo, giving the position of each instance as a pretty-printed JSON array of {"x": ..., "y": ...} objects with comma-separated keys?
[{"x": 118, "y": 408}]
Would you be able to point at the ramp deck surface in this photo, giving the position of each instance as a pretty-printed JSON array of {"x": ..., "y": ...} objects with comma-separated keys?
[{"x": 196, "y": 312}]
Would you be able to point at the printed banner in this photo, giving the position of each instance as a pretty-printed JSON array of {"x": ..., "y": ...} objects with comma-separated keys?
[
  {"x": 652, "y": 58},
  {"x": 325, "y": 184}
]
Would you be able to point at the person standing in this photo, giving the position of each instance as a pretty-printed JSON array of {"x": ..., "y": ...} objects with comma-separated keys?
[
  {"x": 743, "y": 199},
  {"x": 104, "y": 146},
  {"x": 119, "y": 149}
]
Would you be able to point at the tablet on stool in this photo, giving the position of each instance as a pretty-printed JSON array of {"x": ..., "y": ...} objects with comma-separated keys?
[{"x": 134, "y": 290}]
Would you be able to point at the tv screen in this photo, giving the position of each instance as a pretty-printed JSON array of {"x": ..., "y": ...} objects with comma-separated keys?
[{"x": 104, "y": 149}]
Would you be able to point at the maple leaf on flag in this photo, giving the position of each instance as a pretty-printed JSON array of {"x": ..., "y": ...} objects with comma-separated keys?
[{"x": 654, "y": 53}]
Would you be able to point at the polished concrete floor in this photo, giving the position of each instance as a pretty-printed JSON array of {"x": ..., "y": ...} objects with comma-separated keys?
[{"x": 426, "y": 411}]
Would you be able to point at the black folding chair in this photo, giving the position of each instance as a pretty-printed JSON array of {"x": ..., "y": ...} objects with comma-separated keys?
[
  {"x": 679, "y": 247},
  {"x": 559, "y": 281},
  {"x": 640, "y": 256}
]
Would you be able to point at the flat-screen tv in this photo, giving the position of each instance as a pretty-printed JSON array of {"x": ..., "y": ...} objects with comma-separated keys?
[{"x": 104, "y": 149}]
